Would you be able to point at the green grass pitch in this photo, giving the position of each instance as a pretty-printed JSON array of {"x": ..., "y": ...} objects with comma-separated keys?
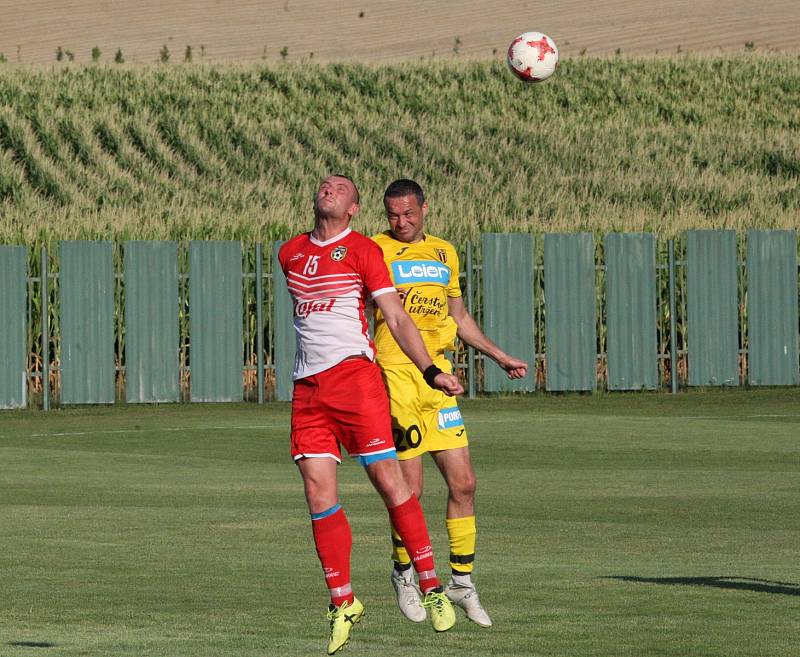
[{"x": 609, "y": 525}]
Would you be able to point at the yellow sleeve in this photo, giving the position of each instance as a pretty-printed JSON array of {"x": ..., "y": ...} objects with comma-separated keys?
[{"x": 454, "y": 288}]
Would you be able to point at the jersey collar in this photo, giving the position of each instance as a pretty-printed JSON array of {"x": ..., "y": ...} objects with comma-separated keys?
[{"x": 336, "y": 238}]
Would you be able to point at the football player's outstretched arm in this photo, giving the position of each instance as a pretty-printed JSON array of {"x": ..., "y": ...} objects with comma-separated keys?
[
  {"x": 407, "y": 336},
  {"x": 470, "y": 332}
]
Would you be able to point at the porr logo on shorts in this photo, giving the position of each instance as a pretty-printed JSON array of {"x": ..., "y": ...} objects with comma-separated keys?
[
  {"x": 338, "y": 254},
  {"x": 449, "y": 418}
]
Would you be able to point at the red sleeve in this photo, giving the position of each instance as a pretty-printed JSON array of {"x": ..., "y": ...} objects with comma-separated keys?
[
  {"x": 282, "y": 256},
  {"x": 286, "y": 251},
  {"x": 375, "y": 274}
]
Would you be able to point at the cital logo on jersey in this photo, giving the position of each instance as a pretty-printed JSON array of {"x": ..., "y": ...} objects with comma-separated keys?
[
  {"x": 338, "y": 254},
  {"x": 420, "y": 271},
  {"x": 305, "y": 308}
]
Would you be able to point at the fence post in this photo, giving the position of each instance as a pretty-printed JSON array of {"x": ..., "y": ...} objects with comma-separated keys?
[
  {"x": 673, "y": 329},
  {"x": 260, "y": 324},
  {"x": 45, "y": 332},
  {"x": 470, "y": 349}
]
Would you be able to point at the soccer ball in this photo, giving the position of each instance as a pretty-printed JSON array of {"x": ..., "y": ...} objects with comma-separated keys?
[{"x": 532, "y": 57}]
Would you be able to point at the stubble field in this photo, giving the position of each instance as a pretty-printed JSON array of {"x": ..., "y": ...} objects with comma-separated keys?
[{"x": 370, "y": 31}]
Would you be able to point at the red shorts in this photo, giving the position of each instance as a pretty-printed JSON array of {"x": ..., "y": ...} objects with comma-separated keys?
[{"x": 344, "y": 405}]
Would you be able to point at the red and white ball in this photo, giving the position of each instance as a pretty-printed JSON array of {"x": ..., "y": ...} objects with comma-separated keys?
[{"x": 532, "y": 57}]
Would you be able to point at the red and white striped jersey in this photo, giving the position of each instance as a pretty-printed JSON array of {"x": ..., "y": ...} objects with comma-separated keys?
[{"x": 329, "y": 282}]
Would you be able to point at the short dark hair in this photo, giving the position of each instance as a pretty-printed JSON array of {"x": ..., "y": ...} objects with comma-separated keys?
[
  {"x": 352, "y": 182},
  {"x": 404, "y": 187}
]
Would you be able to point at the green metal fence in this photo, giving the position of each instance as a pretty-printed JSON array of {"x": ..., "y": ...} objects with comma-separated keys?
[
  {"x": 13, "y": 318},
  {"x": 87, "y": 323},
  {"x": 772, "y": 308},
  {"x": 508, "y": 284},
  {"x": 570, "y": 312},
  {"x": 713, "y": 308},
  {"x": 283, "y": 335},
  {"x": 630, "y": 261},
  {"x": 96, "y": 322},
  {"x": 151, "y": 320},
  {"x": 215, "y": 321}
]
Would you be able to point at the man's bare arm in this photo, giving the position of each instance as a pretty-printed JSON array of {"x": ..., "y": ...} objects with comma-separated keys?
[{"x": 470, "y": 332}]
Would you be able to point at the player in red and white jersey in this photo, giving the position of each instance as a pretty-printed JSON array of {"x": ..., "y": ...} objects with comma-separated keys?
[
  {"x": 339, "y": 398},
  {"x": 328, "y": 281}
]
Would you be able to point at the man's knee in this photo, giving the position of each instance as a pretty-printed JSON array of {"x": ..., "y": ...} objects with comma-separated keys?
[
  {"x": 388, "y": 481},
  {"x": 413, "y": 475},
  {"x": 319, "y": 483},
  {"x": 463, "y": 487},
  {"x": 385, "y": 474},
  {"x": 315, "y": 489}
]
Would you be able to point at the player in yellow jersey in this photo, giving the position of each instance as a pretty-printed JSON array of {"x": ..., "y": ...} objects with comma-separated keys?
[{"x": 424, "y": 269}]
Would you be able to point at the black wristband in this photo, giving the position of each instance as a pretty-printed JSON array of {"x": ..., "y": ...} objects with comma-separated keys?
[{"x": 430, "y": 374}]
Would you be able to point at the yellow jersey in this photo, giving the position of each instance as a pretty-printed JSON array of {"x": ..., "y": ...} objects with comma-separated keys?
[{"x": 426, "y": 275}]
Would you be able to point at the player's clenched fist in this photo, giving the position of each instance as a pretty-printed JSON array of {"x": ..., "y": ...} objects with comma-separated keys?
[{"x": 448, "y": 384}]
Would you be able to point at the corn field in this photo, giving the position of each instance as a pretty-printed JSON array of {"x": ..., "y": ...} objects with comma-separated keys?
[{"x": 235, "y": 152}]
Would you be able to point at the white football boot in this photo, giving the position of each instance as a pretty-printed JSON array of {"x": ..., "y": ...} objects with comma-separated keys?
[
  {"x": 466, "y": 597},
  {"x": 409, "y": 597}
]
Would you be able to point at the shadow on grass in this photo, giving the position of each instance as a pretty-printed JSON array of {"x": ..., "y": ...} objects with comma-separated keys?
[
  {"x": 31, "y": 644},
  {"x": 736, "y": 583}
]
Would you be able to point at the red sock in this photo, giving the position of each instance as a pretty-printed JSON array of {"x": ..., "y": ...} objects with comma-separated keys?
[
  {"x": 409, "y": 521},
  {"x": 333, "y": 540}
]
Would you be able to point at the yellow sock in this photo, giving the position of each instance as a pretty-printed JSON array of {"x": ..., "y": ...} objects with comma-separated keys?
[
  {"x": 462, "y": 532},
  {"x": 399, "y": 554}
]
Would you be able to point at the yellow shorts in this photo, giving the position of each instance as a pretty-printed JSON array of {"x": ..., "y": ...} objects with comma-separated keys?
[{"x": 423, "y": 419}]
